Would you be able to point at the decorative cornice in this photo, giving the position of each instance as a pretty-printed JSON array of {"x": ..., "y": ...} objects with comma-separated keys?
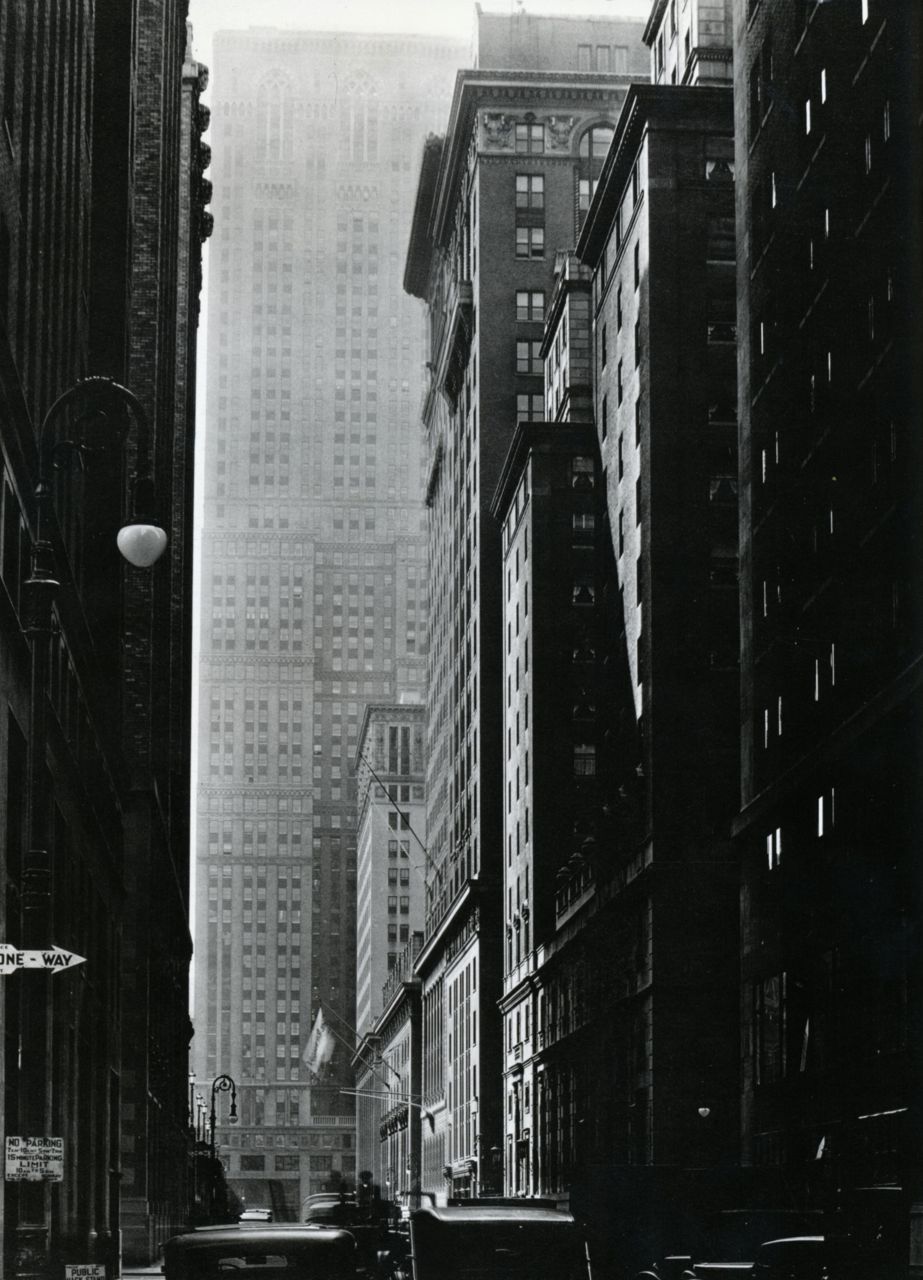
[{"x": 480, "y": 90}]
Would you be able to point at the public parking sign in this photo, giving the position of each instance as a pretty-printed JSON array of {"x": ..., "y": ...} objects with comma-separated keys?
[
  {"x": 35, "y": 1159},
  {"x": 84, "y": 1271}
]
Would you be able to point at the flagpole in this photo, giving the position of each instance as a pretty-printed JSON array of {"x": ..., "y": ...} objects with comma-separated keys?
[
  {"x": 353, "y": 1050},
  {"x": 355, "y": 1032},
  {"x": 393, "y": 804},
  {"x": 418, "y": 868},
  {"x": 399, "y": 1097}
]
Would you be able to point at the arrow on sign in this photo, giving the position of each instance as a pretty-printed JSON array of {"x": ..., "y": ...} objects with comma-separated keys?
[{"x": 52, "y": 958}]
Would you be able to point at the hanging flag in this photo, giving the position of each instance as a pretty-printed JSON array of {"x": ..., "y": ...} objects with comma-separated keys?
[{"x": 318, "y": 1052}]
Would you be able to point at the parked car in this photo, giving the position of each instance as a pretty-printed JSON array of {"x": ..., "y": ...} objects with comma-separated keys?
[
  {"x": 255, "y": 1215},
  {"x": 267, "y": 1251},
  {"x": 496, "y": 1242},
  {"x": 791, "y": 1258},
  {"x": 730, "y": 1241},
  {"x": 369, "y": 1225}
]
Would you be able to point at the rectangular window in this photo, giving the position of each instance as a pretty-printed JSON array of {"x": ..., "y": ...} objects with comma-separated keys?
[
  {"x": 530, "y": 139},
  {"x": 530, "y": 408},
  {"x": 530, "y": 242},
  {"x": 769, "y": 1028},
  {"x": 530, "y": 304},
  {"x": 530, "y": 191},
  {"x": 604, "y": 419},
  {"x": 637, "y": 265},
  {"x": 618, "y": 308},
  {"x": 774, "y": 849},
  {"x": 529, "y": 357},
  {"x": 753, "y": 89},
  {"x": 618, "y": 382},
  {"x": 584, "y": 57}
]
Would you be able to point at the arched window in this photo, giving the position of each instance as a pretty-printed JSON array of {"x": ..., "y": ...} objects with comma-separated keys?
[
  {"x": 274, "y": 118},
  {"x": 593, "y": 148},
  {"x": 359, "y": 118}
]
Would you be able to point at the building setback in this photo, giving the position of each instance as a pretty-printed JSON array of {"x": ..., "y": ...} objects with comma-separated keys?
[
  {"x": 691, "y": 43},
  {"x": 506, "y": 186},
  {"x": 101, "y": 219},
  {"x": 313, "y": 567},
  {"x": 827, "y": 111},
  {"x": 659, "y": 239}
]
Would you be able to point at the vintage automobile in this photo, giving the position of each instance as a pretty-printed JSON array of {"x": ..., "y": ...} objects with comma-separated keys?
[
  {"x": 792, "y": 1258},
  {"x": 730, "y": 1242},
  {"x": 261, "y": 1251},
  {"x": 483, "y": 1241}
]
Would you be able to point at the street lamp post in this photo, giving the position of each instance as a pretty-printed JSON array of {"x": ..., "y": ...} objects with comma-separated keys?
[
  {"x": 105, "y": 410},
  {"x": 222, "y": 1084}
]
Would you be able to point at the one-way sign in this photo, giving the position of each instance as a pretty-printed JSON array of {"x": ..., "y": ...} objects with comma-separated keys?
[{"x": 13, "y": 959}]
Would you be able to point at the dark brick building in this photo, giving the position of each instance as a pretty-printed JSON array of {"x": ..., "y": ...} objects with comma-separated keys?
[
  {"x": 100, "y": 220},
  {"x": 828, "y": 168},
  {"x": 659, "y": 238}
]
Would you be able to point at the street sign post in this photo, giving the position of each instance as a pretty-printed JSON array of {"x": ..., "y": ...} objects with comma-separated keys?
[
  {"x": 54, "y": 958},
  {"x": 38, "y": 1159}
]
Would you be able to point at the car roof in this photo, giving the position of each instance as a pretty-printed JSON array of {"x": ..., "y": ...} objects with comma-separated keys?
[
  {"x": 493, "y": 1213},
  {"x": 237, "y": 1232},
  {"x": 793, "y": 1241}
]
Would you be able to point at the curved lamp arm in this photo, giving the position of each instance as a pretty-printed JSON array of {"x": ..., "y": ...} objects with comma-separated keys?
[
  {"x": 141, "y": 540},
  {"x": 222, "y": 1084}
]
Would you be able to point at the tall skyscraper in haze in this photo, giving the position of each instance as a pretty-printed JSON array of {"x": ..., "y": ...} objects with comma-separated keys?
[{"x": 313, "y": 558}]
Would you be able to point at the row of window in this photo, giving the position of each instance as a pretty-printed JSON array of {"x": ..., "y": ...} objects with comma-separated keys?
[{"x": 603, "y": 57}]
